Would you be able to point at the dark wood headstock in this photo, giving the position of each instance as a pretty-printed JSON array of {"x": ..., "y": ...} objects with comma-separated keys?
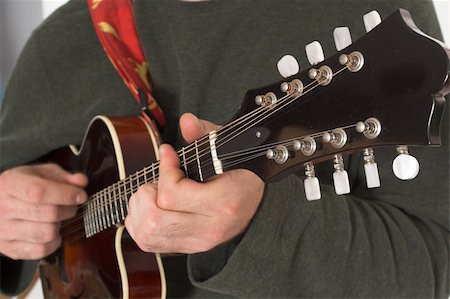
[{"x": 400, "y": 86}]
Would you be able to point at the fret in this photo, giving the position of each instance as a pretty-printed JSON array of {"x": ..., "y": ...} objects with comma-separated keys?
[
  {"x": 102, "y": 212},
  {"x": 116, "y": 210},
  {"x": 126, "y": 192},
  {"x": 85, "y": 222},
  {"x": 117, "y": 198},
  {"x": 110, "y": 214},
  {"x": 183, "y": 153},
  {"x": 121, "y": 208},
  {"x": 90, "y": 218},
  {"x": 198, "y": 161},
  {"x": 107, "y": 202},
  {"x": 97, "y": 215},
  {"x": 123, "y": 197}
]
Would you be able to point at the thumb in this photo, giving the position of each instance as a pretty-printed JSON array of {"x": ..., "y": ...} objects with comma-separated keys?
[{"x": 193, "y": 127}]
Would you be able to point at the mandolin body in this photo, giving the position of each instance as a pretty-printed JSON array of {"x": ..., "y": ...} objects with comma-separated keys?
[{"x": 109, "y": 264}]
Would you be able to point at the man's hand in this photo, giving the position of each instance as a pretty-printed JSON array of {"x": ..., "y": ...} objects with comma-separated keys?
[
  {"x": 180, "y": 215},
  {"x": 33, "y": 202}
]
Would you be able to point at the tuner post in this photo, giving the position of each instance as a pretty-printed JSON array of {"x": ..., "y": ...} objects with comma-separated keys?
[
  {"x": 353, "y": 61},
  {"x": 323, "y": 75},
  {"x": 371, "y": 128}
]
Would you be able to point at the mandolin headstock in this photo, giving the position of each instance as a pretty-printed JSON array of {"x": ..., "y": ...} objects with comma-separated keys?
[{"x": 387, "y": 88}]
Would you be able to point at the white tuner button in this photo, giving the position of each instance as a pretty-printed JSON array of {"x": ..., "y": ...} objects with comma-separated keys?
[
  {"x": 341, "y": 182},
  {"x": 314, "y": 53},
  {"x": 288, "y": 66},
  {"x": 405, "y": 167},
  {"x": 340, "y": 176},
  {"x": 371, "y": 169},
  {"x": 311, "y": 183},
  {"x": 312, "y": 188},
  {"x": 342, "y": 38},
  {"x": 371, "y": 20},
  {"x": 372, "y": 176}
]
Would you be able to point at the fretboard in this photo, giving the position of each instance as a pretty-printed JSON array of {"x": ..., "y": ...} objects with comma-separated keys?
[{"x": 109, "y": 206}]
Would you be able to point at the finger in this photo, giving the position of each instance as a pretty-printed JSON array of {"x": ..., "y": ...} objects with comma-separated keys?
[
  {"x": 229, "y": 193},
  {"x": 172, "y": 183},
  {"x": 22, "y": 210},
  {"x": 169, "y": 166},
  {"x": 58, "y": 174},
  {"x": 193, "y": 128},
  {"x": 176, "y": 232},
  {"x": 158, "y": 230},
  {"x": 21, "y": 250},
  {"x": 31, "y": 232},
  {"x": 34, "y": 187}
]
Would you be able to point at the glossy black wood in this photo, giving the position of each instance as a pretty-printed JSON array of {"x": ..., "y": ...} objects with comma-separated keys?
[{"x": 401, "y": 84}]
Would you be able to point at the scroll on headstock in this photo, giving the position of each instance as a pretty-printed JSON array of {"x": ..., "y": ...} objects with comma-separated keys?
[{"x": 387, "y": 88}]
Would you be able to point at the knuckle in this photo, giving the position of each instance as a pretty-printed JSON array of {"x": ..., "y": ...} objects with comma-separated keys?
[
  {"x": 152, "y": 226},
  {"x": 165, "y": 201},
  {"x": 49, "y": 233},
  {"x": 216, "y": 235},
  {"x": 232, "y": 208},
  {"x": 35, "y": 192},
  {"x": 49, "y": 213}
]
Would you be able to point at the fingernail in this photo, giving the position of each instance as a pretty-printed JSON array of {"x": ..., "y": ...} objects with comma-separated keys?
[
  {"x": 81, "y": 198},
  {"x": 162, "y": 149}
]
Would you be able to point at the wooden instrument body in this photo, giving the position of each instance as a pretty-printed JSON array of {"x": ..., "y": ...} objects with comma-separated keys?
[{"x": 110, "y": 264}]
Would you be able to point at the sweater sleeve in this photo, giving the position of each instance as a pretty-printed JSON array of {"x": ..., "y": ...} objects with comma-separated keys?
[{"x": 386, "y": 242}]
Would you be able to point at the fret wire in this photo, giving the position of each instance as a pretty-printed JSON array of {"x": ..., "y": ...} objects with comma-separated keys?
[
  {"x": 121, "y": 207},
  {"x": 85, "y": 223},
  {"x": 198, "y": 161},
  {"x": 91, "y": 219},
  {"x": 97, "y": 212},
  {"x": 116, "y": 210},
  {"x": 110, "y": 219},
  {"x": 184, "y": 161},
  {"x": 86, "y": 216},
  {"x": 100, "y": 208}
]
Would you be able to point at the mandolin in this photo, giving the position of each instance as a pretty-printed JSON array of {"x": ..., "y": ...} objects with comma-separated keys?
[{"x": 362, "y": 97}]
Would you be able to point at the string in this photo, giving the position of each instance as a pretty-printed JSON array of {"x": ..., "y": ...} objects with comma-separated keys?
[
  {"x": 103, "y": 223},
  {"x": 106, "y": 222}
]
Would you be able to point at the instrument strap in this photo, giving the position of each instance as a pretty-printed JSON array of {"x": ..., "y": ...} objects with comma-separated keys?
[{"x": 114, "y": 23}]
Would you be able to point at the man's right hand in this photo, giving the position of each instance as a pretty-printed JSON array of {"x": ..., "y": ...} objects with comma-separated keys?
[{"x": 33, "y": 202}]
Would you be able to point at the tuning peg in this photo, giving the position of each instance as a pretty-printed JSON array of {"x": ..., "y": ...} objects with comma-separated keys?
[
  {"x": 371, "y": 20},
  {"x": 371, "y": 169},
  {"x": 288, "y": 66},
  {"x": 340, "y": 176},
  {"x": 342, "y": 38},
  {"x": 314, "y": 52},
  {"x": 405, "y": 166},
  {"x": 311, "y": 183}
]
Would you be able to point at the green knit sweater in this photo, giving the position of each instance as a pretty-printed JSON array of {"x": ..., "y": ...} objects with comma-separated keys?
[{"x": 387, "y": 242}]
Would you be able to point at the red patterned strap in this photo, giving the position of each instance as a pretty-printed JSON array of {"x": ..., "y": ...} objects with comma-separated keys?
[{"x": 114, "y": 23}]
